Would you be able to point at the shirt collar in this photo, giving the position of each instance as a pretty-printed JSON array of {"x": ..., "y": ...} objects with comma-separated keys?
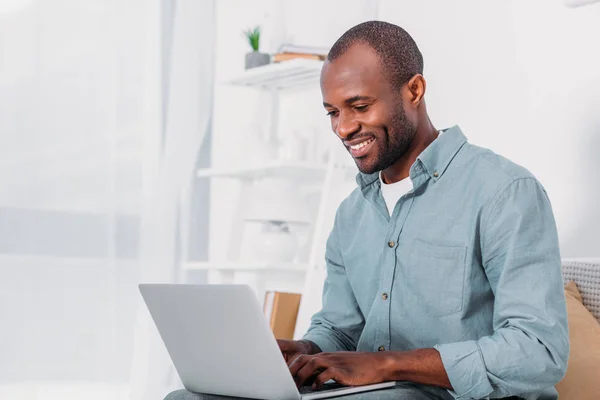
[{"x": 434, "y": 159}]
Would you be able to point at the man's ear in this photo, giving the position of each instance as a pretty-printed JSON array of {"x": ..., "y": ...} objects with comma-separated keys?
[{"x": 416, "y": 87}]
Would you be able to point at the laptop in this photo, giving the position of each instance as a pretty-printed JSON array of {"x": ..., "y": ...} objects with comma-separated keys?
[{"x": 220, "y": 343}]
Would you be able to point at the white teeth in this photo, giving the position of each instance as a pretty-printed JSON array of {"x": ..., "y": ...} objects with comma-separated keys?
[{"x": 363, "y": 144}]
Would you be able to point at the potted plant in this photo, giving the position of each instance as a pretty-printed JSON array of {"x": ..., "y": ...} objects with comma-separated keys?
[{"x": 255, "y": 58}]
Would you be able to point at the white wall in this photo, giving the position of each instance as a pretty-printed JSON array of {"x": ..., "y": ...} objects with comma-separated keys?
[{"x": 520, "y": 77}]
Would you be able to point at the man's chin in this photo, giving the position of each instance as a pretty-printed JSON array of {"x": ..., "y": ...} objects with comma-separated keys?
[{"x": 365, "y": 167}]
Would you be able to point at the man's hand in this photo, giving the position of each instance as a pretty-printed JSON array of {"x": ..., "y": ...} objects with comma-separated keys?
[
  {"x": 294, "y": 348},
  {"x": 345, "y": 367}
]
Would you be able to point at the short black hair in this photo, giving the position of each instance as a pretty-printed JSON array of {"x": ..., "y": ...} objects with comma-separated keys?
[{"x": 399, "y": 55}]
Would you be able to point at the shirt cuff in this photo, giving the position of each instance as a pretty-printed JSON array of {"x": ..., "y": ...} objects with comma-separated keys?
[
  {"x": 466, "y": 370},
  {"x": 325, "y": 342}
]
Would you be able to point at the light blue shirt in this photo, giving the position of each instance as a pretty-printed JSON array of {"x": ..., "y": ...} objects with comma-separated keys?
[{"x": 468, "y": 263}]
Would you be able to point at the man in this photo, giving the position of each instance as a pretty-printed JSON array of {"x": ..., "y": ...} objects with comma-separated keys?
[{"x": 443, "y": 267}]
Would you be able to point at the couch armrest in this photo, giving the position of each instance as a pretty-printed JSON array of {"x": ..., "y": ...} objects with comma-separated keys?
[{"x": 586, "y": 275}]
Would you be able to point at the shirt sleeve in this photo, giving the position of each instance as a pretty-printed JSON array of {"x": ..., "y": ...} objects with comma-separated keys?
[
  {"x": 339, "y": 324},
  {"x": 529, "y": 348}
]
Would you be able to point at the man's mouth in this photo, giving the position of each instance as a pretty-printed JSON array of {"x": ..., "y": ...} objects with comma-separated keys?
[{"x": 360, "y": 149}]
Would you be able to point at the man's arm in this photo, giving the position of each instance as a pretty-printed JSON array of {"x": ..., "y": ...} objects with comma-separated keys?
[
  {"x": 530, "y": 345},
  {"x": 339, "y": 324},
  {"x": 363, "y": 368},
  {"x": 422, "y": 366}
]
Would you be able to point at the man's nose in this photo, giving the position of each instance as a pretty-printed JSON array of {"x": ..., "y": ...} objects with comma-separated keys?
[{"x": 346, "y": 126}]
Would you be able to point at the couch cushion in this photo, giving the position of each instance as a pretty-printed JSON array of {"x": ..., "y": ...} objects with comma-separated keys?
[
  {"x": 586, "y": 274},
  {"x": 581, "y": 381}
]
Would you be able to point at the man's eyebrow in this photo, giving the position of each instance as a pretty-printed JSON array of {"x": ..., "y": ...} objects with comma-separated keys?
[
  {"x": 354, "y": 99},
  {"x": 351, "y": 100}
]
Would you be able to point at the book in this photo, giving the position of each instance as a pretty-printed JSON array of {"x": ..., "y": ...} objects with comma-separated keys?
[
  {"x": 279, "y": 57},
  {"x": 293, "y": 48},
  {"x": 281, "y": 310}
]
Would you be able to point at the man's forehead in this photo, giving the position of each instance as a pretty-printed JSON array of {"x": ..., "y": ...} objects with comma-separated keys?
[
  {"x": 354, "y": 72},
  {"x": 359, "y": 60}
]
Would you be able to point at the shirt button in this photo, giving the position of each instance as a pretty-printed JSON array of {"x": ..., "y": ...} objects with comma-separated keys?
[
  {"x": 435, "y": 174},
  {"x": 384, "y": 296},
  {"x": 381, "y": 348},
  {"x": 391, "y": 243}
]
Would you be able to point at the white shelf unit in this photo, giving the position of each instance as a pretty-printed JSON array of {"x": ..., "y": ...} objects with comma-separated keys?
[
  {"x": 247, "y": 266},
  {"x": 292, "y": 170},
  {"x": 275, "y": 78},
  {"x": 293, "y": 74},
  {"x": 306, "y": 171},
  {"x": 579, "y": 3},
  {"x": 259, "y": 276}
]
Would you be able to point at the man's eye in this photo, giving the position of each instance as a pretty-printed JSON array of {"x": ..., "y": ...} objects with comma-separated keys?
[
  {"x": 330, "y": 113},
  {"x": 361, "y": 108}
]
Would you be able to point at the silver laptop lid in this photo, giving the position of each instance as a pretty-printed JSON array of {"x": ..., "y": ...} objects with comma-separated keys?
[{"x": 219, "y": 340}]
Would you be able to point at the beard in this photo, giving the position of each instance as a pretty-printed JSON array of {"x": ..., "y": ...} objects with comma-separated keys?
[{"x": 391, "y": 146}]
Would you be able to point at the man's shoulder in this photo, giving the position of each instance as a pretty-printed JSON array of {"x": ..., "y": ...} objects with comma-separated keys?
[
  {"x": 488, "y": 166},
  {"x": 489, "y": 171}
]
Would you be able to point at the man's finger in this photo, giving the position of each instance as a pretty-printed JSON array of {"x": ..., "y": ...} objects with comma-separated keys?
[
  {"x": 290, "y": 358},
  {"x": 297, "y": 363},
  {"x": 314, "y": 366},
  {"x": 329, "y": 373}
]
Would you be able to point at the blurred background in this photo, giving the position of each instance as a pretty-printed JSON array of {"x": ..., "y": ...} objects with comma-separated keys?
[{"x": 146, "y": 141}]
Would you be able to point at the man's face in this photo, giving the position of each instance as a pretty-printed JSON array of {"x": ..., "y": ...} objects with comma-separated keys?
[{"x": 366, "y": 112}]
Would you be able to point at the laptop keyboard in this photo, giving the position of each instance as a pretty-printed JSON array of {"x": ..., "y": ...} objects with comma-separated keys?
[{"x": 326, "y": 386}]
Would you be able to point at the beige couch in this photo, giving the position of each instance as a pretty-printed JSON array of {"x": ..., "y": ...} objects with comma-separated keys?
[{"x": 582, "y": 381}]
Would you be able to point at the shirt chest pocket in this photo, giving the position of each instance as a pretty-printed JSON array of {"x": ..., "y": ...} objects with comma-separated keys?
[{"x": 436, "y": 275}]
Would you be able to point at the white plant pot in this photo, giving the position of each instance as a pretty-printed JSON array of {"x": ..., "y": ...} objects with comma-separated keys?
[{"x": 256, "y": 59}]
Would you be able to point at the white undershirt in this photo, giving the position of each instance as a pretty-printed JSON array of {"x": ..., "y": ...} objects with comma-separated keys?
[{"x": 392, "y": 192}]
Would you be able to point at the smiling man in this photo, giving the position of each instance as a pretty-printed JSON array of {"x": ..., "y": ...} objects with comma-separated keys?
[{"x": 443, "y": 266}]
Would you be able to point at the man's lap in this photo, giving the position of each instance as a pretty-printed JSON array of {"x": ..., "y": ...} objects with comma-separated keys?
[{"x": 401, "y": 391}]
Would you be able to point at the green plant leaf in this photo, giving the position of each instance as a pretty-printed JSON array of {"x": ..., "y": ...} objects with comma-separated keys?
[{"x": 253, "y": 36}]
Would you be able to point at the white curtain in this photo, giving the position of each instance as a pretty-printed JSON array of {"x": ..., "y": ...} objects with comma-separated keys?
[
  {"x": 188, "y": 116},
  {"x": 102, "y": 114}
]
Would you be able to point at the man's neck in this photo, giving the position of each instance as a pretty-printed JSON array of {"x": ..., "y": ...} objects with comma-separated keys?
[{"x": 401, "y": 168}]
